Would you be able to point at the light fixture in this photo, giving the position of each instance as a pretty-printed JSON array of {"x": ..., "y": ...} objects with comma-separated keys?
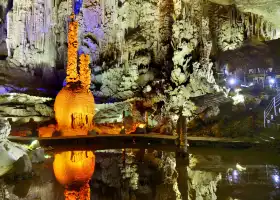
[
  {"x": 276, "y": 178},
  {"x": 232, "y": 81},
  {"x": 272, "y": 81},
  {"x": 235, "y": 173}
]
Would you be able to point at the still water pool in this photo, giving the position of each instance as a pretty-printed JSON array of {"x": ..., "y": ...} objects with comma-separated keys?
[{"x": 210, "y": 174}]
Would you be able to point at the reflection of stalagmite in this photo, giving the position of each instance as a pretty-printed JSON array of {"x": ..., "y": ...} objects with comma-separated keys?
[
  {"x": 74, "y": 168},
  {"x": 83, "y": 193}
]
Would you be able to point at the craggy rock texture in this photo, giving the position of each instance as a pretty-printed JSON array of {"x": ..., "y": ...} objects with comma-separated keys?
[
  {"x": 129, "y": 178},
  {"x": 23, "y": 107},
  {"x": 10, "y": 152},
  {"x": 230, "y": 27},
  {"x": 129, "y": 27},
  {"x": 267, "y": 9},
  {"x": 202, "y": 184},
  {"x": 155, "y": 49}
]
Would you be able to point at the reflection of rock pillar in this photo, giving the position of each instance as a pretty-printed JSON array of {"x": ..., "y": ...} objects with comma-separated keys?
[
  {"x": 182, "y": 132},
  {"x": 72, "y": 75},
  {"x": 182, "y": 180}
]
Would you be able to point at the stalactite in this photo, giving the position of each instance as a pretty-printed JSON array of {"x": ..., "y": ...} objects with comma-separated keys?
[
  {"x": 261, "y": 27},
  {"x": 72, "y": 75},
  {"x": 248, "y": 26},
  {"x": 103, "y": 10},
  {"x": 269, "y": 31}
]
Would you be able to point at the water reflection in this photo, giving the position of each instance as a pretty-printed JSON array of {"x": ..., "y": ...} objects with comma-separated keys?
[{"x": 157, "y": 175}]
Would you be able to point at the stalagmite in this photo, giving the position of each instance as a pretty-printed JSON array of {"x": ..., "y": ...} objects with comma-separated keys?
[
  {"x": 74, "y": 104},
  {"x": 85, "y": 75},
  {"x": 72, "y": 74}
]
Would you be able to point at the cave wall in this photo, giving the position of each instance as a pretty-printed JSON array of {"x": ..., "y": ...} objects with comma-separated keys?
[
  {"x": 156, "y": 49},
  {"x": 266, "y": 9},
  {"x": 116, "y": 32},
  {"x": 231, "y": 27},
  {"x": 135, "y": 46}
]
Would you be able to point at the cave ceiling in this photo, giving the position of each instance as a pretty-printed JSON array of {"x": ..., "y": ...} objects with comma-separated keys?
[
  {"x": 269, "y": 9},
  {"x": 253, "y": 55}
]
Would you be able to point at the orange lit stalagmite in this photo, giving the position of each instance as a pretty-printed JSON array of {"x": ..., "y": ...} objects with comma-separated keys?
[
  {"x": 74, "y": 105},
  {"x": 72, "y": 75},
  {"x": 85, "y": 76},
  {"x": 74, "y": 111}
]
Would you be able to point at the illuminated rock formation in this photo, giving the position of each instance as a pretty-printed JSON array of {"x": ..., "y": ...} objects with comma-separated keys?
[
  {"x": 74, "y": 104},
  {"x": 85, "y": 75},
  {"x": 74, "y": 111},
  {"x": 72, "y": 75}
]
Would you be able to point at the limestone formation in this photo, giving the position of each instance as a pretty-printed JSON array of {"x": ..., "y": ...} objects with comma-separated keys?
[
  {"x": 72, "y": 71},
  {"x": 123, "y": 40},
  {"x": 22, "y": 107},
  {"x": 5, "y": 129},
  {"x": 10, "y": 152},
  {"x": 203, "y": 185}
]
